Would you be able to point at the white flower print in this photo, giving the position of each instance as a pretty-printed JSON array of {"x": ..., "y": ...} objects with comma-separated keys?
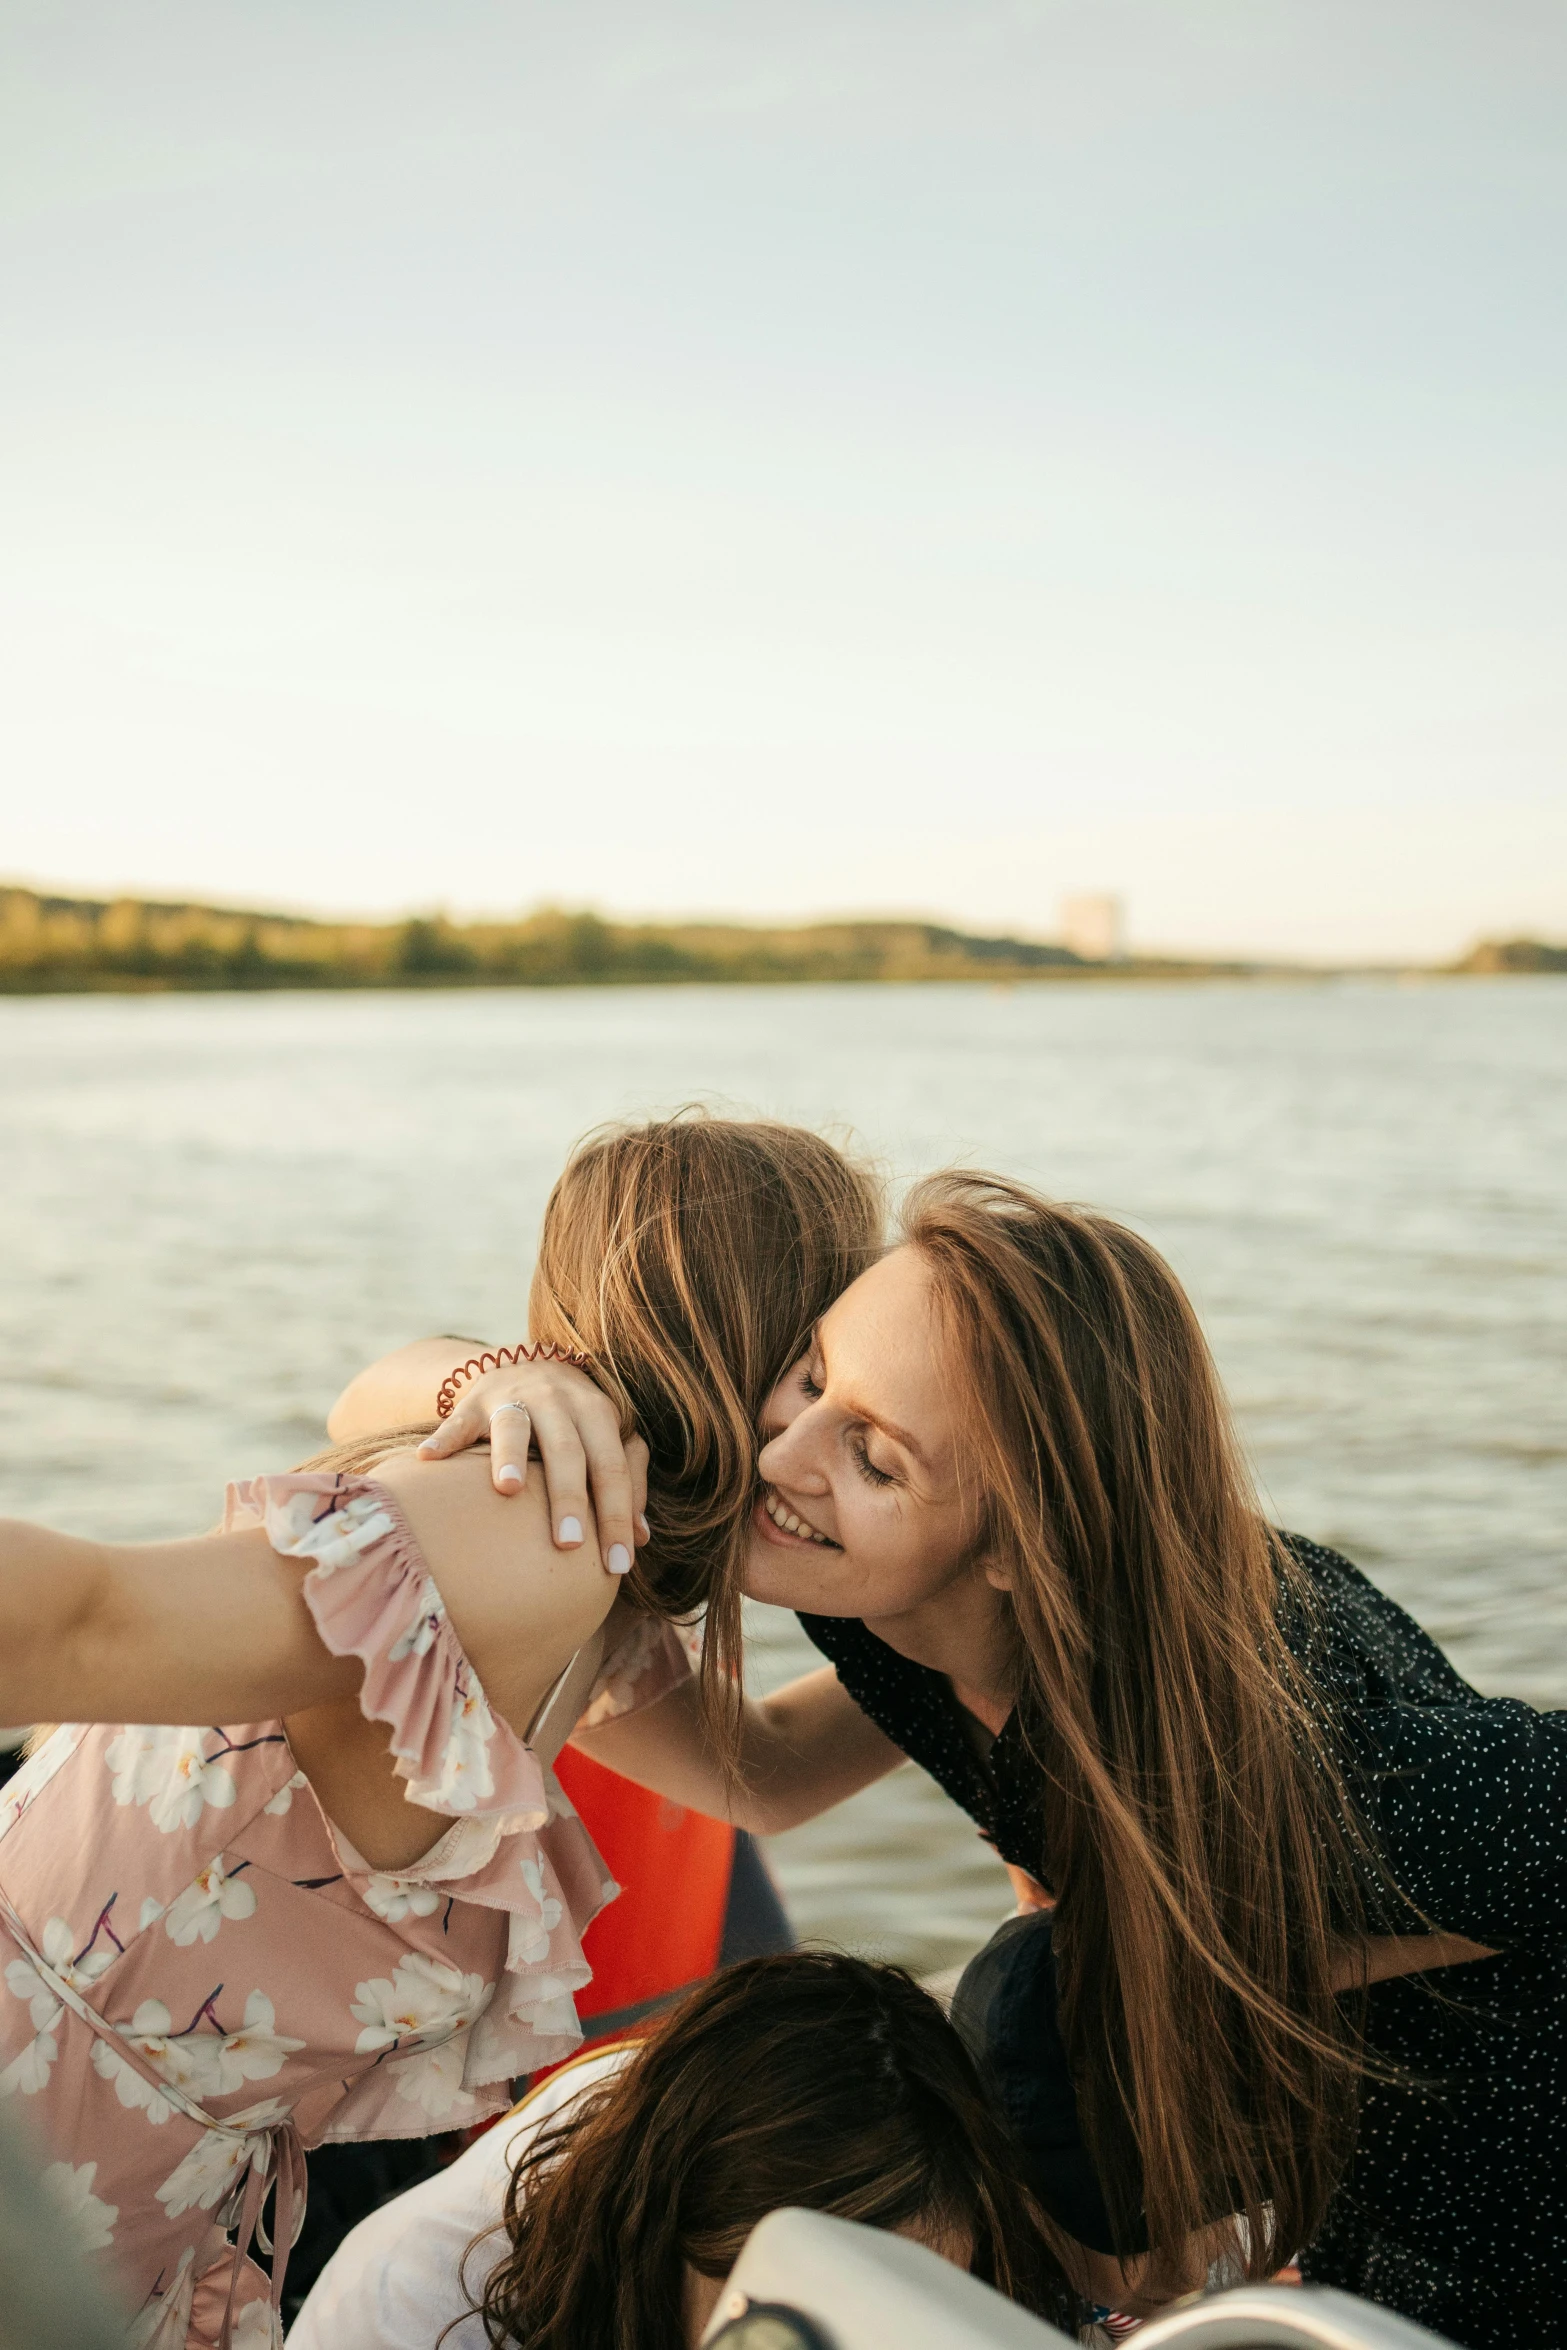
[
  {"x": 425, "y": 2001},
  {"x": 29, "y": 2070},
  {"x": 167, "y": 1770},
  {"x": 151, "y": 1911},
  {"x": 23, "y": 1981},
  {"x": 418, "y": 1637},
  {"x": 338, "y": 1536},
  {"x": 206, "y": 2174},
  {"x": 432, "y": 2080},
  {"x": 91, "y": 2219},
  {"x": 54, "y": 1948},
  {"x": 256, "y": 2051},
  {"x": 129, "y": 2086},
  {"x": 284, "y": 1798},
  {"x": 205, "y": 1903},
  {"x": 530, "y": 1943},
  {"x": 200, "y": 2064},
  {"x": 183, "y": 2058},
  {"x": 394, "y": 1898},
  {"x": 465, "y": 1764}
]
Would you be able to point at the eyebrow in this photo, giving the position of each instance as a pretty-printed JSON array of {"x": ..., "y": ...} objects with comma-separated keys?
[{"x": 873, "y": 1419}]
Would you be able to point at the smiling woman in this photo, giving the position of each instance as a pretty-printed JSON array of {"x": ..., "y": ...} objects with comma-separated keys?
[
  {"x": 1002, "y": 1493},
  {"x": 863, "y": 1468}
]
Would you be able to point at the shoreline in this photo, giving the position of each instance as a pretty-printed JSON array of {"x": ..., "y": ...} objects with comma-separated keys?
[{"x": 55, "y": 945}]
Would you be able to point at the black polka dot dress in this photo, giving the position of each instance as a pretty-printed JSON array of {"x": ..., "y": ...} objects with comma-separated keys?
[{"x": 1454, "y": 2211}]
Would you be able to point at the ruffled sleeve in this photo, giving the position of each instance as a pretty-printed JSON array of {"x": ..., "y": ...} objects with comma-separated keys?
[
  {"x": 373, "y": 1597},
  {"x": 515, "y": 1844}
]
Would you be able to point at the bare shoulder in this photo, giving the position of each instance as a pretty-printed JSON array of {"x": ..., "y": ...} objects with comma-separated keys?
[{"x": 520, "y": 1607}]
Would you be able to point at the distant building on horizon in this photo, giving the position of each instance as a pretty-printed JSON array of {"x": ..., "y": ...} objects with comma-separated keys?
[{"x": 1094, "y": 926}]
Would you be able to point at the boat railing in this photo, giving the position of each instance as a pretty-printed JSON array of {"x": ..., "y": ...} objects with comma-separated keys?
[{"x": 808, "y": 2281}]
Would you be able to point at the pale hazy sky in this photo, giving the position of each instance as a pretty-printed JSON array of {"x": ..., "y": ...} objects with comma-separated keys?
[{"x": 790, "y": 457}]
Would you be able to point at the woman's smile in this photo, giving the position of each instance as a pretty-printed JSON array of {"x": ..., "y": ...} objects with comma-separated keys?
[{"x": 777, "y": 1522}]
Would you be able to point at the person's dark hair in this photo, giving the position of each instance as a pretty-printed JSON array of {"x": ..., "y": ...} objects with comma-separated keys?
[
  {"x": 807, "y": 2079},
  {"x": 689, "y": 1257},
  {"x": 1209, "y": 1869}
]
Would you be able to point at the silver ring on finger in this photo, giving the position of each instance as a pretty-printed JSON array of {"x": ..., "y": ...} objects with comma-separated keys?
[{"x": 508, "y": 1407}]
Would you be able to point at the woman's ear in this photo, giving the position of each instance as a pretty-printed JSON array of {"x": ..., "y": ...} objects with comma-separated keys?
[{"x": 997, "y": 1576}]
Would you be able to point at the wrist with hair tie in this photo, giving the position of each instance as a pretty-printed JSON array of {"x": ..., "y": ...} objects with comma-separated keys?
[{"x": 498, "y": 1359}]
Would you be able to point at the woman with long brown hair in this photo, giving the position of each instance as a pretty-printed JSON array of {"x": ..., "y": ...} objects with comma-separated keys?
[
  {"x": 615, "y": 2207},
  {"x": 1002, "y": 1491},
  {"x": 353, "y": 1910}
]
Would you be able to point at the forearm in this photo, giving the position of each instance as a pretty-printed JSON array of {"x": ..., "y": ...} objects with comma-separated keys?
[
  {"x": 802, "y": 1750},
  {"x": 210, "y": 1630},
  {"x": 398, "y": 1391}
]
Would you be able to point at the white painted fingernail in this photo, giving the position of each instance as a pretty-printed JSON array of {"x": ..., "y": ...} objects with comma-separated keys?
[
  {"x": 510, "y": 1477},
  {"x": 428, "y": 1444},
  {"x": 570, "y": 1530},
  {"x": 643, "y": 1528},
  {"x": 619, "y": 1559}
]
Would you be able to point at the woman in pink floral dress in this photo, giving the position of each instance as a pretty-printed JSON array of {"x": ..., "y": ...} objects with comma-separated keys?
[
  {"x": 207, "y": 1973},
  {"x": 348, "y": 1902}
]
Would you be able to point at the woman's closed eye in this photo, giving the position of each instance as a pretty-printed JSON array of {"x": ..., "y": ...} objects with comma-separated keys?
[{"x": 866, "y": 1466}]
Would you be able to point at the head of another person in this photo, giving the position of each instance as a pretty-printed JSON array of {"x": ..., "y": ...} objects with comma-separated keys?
[
  {"x": 1013, "y": 1421},
  {"x": 808, "y": 2079},
  {"x": 690, "y": 1257}
]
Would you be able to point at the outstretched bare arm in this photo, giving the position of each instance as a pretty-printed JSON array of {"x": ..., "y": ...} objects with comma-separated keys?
[
  {"x": 217, "y": 1629},
  {"x": 214, "y": 1629}
]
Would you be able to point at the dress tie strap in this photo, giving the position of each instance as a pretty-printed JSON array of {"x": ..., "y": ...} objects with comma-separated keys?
[{"x": 275, "y": 2151}]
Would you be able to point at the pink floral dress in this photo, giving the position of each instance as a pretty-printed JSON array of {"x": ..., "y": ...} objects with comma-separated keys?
[{"x": 202, "y": 1976}]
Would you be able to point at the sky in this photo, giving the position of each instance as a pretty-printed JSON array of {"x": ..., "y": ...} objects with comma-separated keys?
[{"x": 779, "y": 459}]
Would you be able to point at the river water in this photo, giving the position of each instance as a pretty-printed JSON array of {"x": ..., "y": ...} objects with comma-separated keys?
[{"x": 214, "y": 1209}]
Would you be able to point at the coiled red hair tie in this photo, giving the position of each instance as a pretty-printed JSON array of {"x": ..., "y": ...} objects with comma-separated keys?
[{"x": 501, "y": 1359}]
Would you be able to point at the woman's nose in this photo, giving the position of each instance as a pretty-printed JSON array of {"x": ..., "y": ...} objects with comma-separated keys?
[{"x": 788, "y": 1459}]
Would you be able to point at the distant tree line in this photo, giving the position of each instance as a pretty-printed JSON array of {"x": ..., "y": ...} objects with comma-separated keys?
[{"x": 58, "y": 944}]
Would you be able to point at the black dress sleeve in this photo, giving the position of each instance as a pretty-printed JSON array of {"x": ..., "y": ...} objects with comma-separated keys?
[{"x": 1468, "y": 1805}]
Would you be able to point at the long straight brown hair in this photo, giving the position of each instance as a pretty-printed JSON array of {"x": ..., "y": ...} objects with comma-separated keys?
[
  {"x": 810, "y": 2079},
  {"x": 1197, "y": 1832},
  {"x": 689, "y": 1257}
]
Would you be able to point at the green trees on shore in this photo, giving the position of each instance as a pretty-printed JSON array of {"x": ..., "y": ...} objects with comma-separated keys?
[{"x": 59, "y": 945}]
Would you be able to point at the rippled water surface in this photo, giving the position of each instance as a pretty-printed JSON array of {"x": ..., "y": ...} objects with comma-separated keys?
[{"x": 215, "y": 1209}]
